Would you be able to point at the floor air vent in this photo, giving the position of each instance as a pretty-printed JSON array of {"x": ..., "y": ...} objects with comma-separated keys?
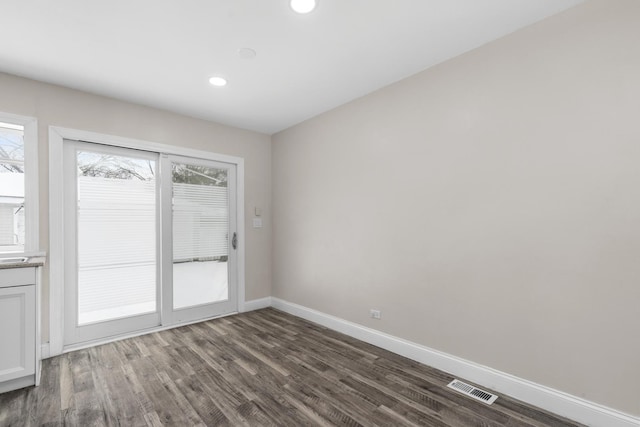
[{"x": 473, "y": 392}]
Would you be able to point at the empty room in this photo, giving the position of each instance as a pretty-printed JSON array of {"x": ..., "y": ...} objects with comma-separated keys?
[{"x": 320, "y": 212}]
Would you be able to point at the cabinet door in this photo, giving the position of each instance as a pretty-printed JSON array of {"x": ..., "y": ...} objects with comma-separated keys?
[{"x": 17, "y": 332}]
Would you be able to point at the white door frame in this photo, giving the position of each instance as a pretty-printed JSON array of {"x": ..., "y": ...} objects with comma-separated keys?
[{"x": 56, "y": 214}]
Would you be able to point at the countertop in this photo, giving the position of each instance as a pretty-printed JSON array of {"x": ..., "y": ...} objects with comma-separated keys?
[{"x": 35, "y": 261}]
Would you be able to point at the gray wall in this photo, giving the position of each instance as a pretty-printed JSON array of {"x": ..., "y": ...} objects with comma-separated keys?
[
  {"x": 489, "y": 206},
  {"x": 58, "y": 106}
]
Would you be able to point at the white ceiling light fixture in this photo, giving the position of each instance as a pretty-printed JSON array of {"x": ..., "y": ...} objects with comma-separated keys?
[
  {"x": 218, "y": 81},
  {"x": 303, "y": 6}
]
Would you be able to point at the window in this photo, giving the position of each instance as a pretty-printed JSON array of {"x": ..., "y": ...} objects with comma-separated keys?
[
  {"x": 12, "y": 226},
  {"x": 18, "y": 192}
]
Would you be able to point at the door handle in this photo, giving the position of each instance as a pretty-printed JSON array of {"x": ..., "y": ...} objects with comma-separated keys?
[{"x": 234, "y": 240}]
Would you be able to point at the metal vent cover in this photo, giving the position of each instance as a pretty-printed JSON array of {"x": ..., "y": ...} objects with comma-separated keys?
[{"x": 473, "y": 392}]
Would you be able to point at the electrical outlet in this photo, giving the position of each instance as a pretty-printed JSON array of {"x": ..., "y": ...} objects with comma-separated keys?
[{"x": 375, "y": 314}]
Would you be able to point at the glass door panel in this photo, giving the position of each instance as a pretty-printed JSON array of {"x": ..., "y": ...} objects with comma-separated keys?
[
  {"x": 200, "y": 207},
  {"x": 116, "y": 206},
  {"x": 200, "y": 265},
  {"x": 113, "y": 255}
]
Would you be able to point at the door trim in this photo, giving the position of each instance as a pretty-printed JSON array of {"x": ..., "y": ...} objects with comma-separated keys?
[{"x": 56, "y": 214}]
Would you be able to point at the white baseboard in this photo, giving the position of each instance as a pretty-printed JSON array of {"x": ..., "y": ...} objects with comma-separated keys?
[
  {"x": 18, "y": 383},
  {"x": 44, "y": 351},
  {"x": 257, "y": 304},
  {"x": 554, "y": 401}
]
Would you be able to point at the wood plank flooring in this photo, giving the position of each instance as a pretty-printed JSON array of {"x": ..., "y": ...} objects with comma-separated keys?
[{"x": 263, "y": 368}]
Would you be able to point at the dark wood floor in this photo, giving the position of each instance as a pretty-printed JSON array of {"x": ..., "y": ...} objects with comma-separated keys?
[{"x": 259, "y": 368}]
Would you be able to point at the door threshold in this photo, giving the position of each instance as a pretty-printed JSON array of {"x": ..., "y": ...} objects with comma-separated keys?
[{"x": 107, "y": 340}]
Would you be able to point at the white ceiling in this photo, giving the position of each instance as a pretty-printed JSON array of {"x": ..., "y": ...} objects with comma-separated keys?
[{"x": 161, "y": 52}]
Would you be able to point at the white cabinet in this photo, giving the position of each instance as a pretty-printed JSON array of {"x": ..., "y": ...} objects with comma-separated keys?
[{"x": 18, "y": 328}]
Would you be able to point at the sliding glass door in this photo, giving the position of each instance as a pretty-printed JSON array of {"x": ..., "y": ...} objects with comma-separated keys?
[{"x": 149, "y": 240}]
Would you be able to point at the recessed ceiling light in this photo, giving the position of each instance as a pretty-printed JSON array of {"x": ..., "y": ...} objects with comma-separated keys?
[
  {"x": 218, "y": 81},
  {"x": 303, "y": 6}
]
